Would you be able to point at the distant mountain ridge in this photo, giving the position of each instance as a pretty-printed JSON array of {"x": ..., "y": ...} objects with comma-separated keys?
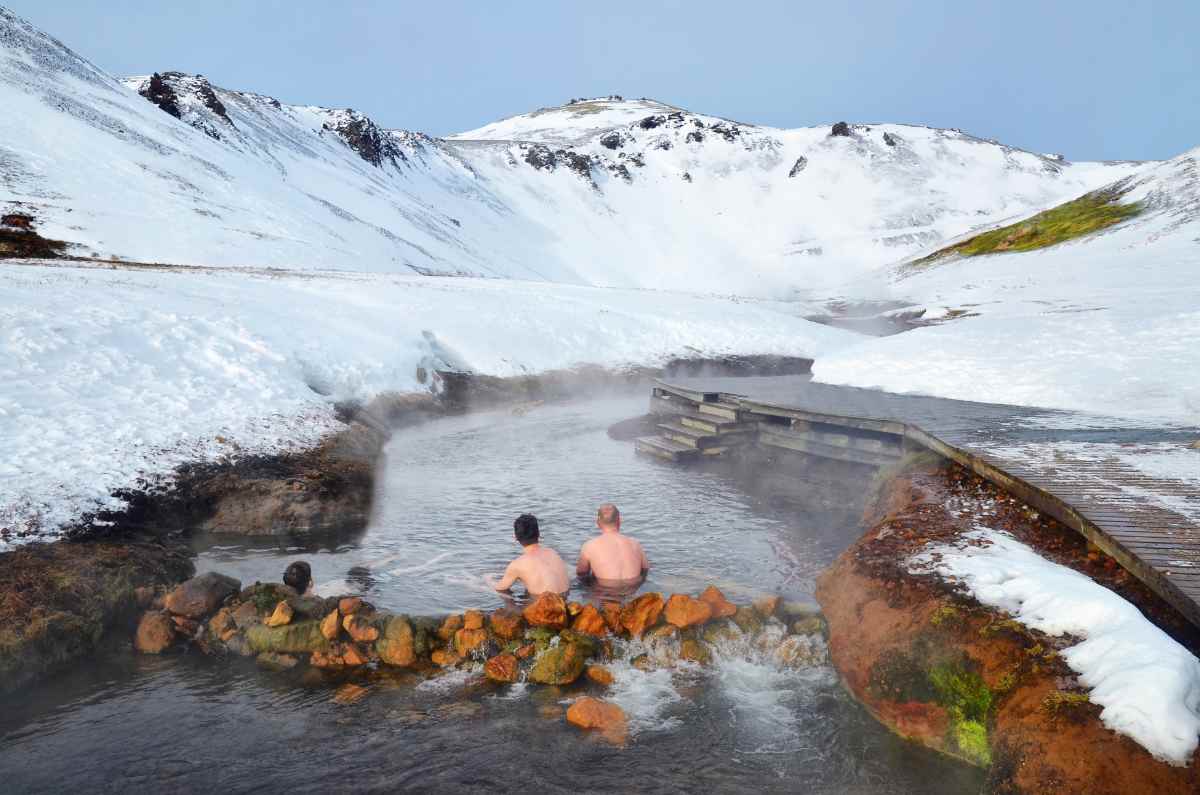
[{"x": 604, "y": 191}]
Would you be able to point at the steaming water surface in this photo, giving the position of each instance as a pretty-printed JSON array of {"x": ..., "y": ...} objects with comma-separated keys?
[{"x": 444, "y": 516}]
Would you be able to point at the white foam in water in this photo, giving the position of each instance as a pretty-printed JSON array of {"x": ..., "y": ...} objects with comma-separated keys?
[{"x": 451, "y": 679}]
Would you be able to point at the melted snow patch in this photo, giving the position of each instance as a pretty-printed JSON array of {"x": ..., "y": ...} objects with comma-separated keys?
[{"x": 1147, "y": 684}]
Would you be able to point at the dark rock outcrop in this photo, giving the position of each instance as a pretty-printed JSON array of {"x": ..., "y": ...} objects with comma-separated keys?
[
  {"x": 840, "y": 129},
  {"x": 612, "y": 140},
  {"x": 372, "y": 143},
  {"x": 889, "y": 139},
  {"x": 800, "y": 164}
]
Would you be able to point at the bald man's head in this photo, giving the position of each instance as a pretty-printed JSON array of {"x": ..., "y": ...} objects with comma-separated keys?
[{"x": 608, "y": 516}]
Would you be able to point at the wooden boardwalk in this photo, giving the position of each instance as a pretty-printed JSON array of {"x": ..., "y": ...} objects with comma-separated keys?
[{"x": 1100, "y": 476}]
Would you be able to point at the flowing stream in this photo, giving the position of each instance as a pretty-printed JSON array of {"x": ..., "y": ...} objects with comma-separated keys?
[{"x": 448, "y": 495}]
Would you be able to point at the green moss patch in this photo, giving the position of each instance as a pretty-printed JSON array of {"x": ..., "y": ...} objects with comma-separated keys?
[{"x": 1075, "y": 219}]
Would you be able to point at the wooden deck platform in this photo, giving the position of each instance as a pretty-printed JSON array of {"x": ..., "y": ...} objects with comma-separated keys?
[{"x": 1093, "y": 474}]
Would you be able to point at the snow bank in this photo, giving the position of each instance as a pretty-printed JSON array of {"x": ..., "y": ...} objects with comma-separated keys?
[
  {"x": 1147, "y": 684},
  {"x": 110, "y": 375}
]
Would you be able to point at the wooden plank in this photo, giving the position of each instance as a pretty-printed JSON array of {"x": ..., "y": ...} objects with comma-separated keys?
[
  {"x": 801, "y": 443},
  {"x": 694, "y": 395},
  {"x": 663, "y": 448}
]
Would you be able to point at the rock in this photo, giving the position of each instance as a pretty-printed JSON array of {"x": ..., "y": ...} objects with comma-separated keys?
[
  {"x": 683, "y": 611},
  {"x": 642, "y": 662},
  {"x": 721, "y": 633},
  {"x": 767, "y": 605},
  {"x": 245, "y": 615},
  {"x": 282, "y": 615},
  {"x": 662, "y": 631},
  {"x": 889, "y": 139},
  {"x": 397, "y": 647},
  {"x": 502, "y": 668},
  {"x": 748, "y": 620},
  {"x": 353, "y": 655},
  {"x": 349, "y": 605},
  {"x": 548, "y": 610},
  {"x": 799, "y": 609},
  {"x": 186, "y": 626},
  {"x": 641, "y": 613},
  {"x": 144, "y": 596},
  {"x": 600, "y": 675},
  {"x": 800, "y": 651},
  {"x": 201, "y": 595},
  {"x": 331, "y": 625},
  {"x": 588, "y": 644},
  {"x": 359, "y": 628},
  {"x": 813, "y": 625},
  {"x": 611, "y": 140},
  {"x": 507, "y": 624},
  {"x": 607, "y": 718},
  {"x": 473, "y": 619},
  {"x": 451, "y": 625},
  {"x": 155, "y": 633},
  {"x": 612, "y": 616},
  {"x": 308, "y": 607},
  {"x": 573, "y": 609},
  {"x": 445, "y": 658},
  {"x": 294, "y": 638},
  {"x": 525, "y": 651},
  {"x": 694, "y": 650},
  {"x": 590, "y": 622},
  {"x": 721, "y": 607},
  {"x": 274, "y": 661},
  {"x": 841, "y": 128},
  {"x": 222, "y": 623},
  {"x": 800, "y": 164},
  {"x": 467, "y": 641},
  {"x": 558, "y": 665}
]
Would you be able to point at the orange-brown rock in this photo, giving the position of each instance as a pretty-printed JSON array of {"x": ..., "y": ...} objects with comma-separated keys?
[
  {"x": 606, "y": 718},
  {"x": 282, "y": 615},
  {"x": 155, "y": 633},
  {"x": 600, "y": 675},
  {"x": 962, "y": 678},
  {"x": 245, "y": 615},
  {"x": 662, "y": 631},
  {"x": 767, "y": 605},
  {"x": 641, "y": 613},
  {"x": 507, "y": 624},
  {"x": 222, "y": 625},
  {"x": 501, "y": 668},
  {"x": 468, "y": 640},
  {"x": 331, "y": 625},
  {"x": 352, "y": 654},
  {"x": 397, "y": 646},
  {"x": 683, "y": 611},
  {"x": 612, "y": 616},
  {"x": 359, "y": 628},
  {"x": 349, "y": 605},
  {"x": 186, "y": 626},
  {"x": 694, "y": 650},
  {"x": 451, "y": 625},
  {"x": 721, "y": 607},
  {"x": 445, "y": 658},
  {"x": 573, "y": 608},
  {"x": 590, "y": 622},
  {"x": 525, "y": 651},
  {"x": 472, "y": 619},
  {"x": 548, "y": 610}
]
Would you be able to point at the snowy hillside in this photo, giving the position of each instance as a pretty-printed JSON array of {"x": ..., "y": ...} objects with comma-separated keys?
[{"x": 628, "y": 193}]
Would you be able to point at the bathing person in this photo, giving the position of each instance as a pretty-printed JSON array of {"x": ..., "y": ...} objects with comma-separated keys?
[
  {"x": 613, "y": 557},
  {"x": 299, "y": 577},
  {"x": 539, "y": 568}
]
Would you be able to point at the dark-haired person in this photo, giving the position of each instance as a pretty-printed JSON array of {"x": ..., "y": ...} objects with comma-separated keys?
[
  {"x": 539, "y": 568},
  {"x": 298, "y": 576},
  {"x": 612, "y": 558}
]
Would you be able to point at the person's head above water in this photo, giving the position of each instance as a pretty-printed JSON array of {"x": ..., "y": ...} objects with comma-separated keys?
[
  {"x": 608, "y": 517},
  {"x": 298, "y": 576},
  {"x": 525, "y": 528}
]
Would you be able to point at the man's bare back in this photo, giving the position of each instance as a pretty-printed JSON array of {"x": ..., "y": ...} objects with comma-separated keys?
[
  {"x": 539, "y": 569},
  {"x": 612, "y": 557}
]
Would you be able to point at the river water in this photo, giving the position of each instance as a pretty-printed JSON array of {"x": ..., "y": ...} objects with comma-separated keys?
[{"x": 448, "y": 494}]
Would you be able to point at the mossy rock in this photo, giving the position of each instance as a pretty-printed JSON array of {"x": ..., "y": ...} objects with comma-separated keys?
[
  {"x": 748, "y": 620},
  {"x": 588, "y": 644},
  {"x": 721, "y": 632},
  {"x": 299, "y": 637},
  {"x": 559, "y": 665},
  {"x": 265, "y": 595}
]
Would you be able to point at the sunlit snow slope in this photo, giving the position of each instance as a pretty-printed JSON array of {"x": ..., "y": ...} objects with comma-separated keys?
[{"x": 611, "y": 192}]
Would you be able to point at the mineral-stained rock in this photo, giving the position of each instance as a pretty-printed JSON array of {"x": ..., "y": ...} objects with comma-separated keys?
[
  {"x": 294, "y": 638},
  {"x": 186, "y": 626},
  {"x": 349, "y": 605},
  {"x": 590, "y": 622},
  {"x": 548, "y": 610},
  {"x": 559, "y": 665},
  {"x": 331, "y": 625},
  {"x": 573, "y": 608},
  {"x": 201, "y": 595},
  {"x": 612, "y": 616},
  {"x": 309, "y": 606},
  {"x": 359, "y": 628},
  {"x": 353, "y": 654},
  {"x": 472, "y": 619},
  {"x": 245, "y": 615},
  {"x": 452, "y": 624},
  {"x": 721, "y": 607},
  {"x": 813, "y": 625},
  {"x": 397, "y": 646},
  {"x": 662, "y": 631},
  {"x": 274, "y": 661},
  {"x": 445, "y": 658},
  {"x": 469, "y": 640},
  {"x": 721, "y": 632},
  {"x": 501, "y": 668},
  {"x": 222, "y": 623},
  {"x": 282, "y": 615},
  {"x": 694, "y": 650},
  {"x": 507, "y": 624},
  {"x": 800, "y": 651},
  {"x": 683, "y": 611},
  {"x": 641, "y": 613},
  {"x": 607, "y": 718},
  {"x": 767, "y": 605},
  {"x": 155, "y": 633},
  {"x": 525, "y": 651},
  {"x": 748, "y": 620},
  {"x": 600, "y": 675}
]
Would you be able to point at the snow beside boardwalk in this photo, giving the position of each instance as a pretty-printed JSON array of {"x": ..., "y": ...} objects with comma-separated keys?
[
  {"x": 113, "y": 374},
  {"x": 1147, "y": 684}
]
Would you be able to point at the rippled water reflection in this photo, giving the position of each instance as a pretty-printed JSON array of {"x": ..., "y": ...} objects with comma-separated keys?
[{"x": 185, "y": 723}]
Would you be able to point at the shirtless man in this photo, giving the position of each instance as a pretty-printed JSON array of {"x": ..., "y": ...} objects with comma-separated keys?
[
  {"x": 612, "y": 557},
  {"x": 539, "y": 568}
]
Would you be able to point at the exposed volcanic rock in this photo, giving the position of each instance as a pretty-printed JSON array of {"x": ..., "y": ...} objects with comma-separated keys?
[
  {"x": 611, "y": 141},
  {"x": 157, "y": 91},
  {"x": 889, "y": 139},
  {"x": 182, "y": 95},
  {"x": 800, "y": 164},
  {"x": 840, "y": 129},
  {"x": 373, "y": 144},
  {"x": 938, "y": 668}
]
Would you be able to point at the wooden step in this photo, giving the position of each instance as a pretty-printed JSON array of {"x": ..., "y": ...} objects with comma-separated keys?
[
  {"x": 701, "y": 422},
  {"x": 727, "y": 411},
  {"x": 666, "y": 449},
  {"x": 689, "y": 437}
]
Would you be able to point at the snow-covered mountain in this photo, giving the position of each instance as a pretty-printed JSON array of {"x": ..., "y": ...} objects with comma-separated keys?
[{"x": 609, "y": 192}]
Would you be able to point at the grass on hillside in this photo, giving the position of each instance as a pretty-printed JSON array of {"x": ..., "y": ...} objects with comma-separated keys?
[{"x": 1075, "y": 219}]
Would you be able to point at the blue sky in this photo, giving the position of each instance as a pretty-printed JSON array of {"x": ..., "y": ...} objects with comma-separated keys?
[{"x": 1092, "y": 80}]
